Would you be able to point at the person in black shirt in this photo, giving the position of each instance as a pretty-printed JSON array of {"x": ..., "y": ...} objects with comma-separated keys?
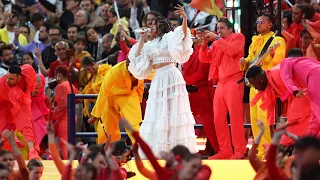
[
  {"x": 49, "y": 53},
  {"x": 106, "y": 27},
  {"x": 67, "y": 17}
]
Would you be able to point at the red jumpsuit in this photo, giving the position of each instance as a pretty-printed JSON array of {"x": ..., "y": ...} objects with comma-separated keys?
[
  {"x": 224, "y": 57},
  {"x": 15, "y": 103},
  {"x": 196, "y": 74},
  {"x": 61, "y": 114}
]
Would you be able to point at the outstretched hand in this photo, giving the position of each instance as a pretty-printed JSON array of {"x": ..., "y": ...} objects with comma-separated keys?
[
  {"x": 180, "y": 10},
  {"x": 8, "y": 135},
  {"x": 261, "y": 125},
  {"x": 300, "y": 93},
  {"x": 50, "y": 127}
]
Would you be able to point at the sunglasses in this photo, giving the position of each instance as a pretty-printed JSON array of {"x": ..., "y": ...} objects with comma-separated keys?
[{"x": 261, "y": 22}]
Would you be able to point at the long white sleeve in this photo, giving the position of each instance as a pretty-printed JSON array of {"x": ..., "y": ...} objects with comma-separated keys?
[
  {"x": 141, "y": 66},
  {"x": 179, "y": 45}
]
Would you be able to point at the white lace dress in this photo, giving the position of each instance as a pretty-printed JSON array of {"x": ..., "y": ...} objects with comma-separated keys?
[{"x": 168, "y": 119}]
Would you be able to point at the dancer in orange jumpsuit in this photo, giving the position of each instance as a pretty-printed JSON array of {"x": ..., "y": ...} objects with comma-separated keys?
[
  {"x": 270, "y": 86},
  {"x": 224, "y": 57},
  {"x": 201, "y": 102},
  {"x": 61, "y": 106},
  {"x": 15, "y": 103}
]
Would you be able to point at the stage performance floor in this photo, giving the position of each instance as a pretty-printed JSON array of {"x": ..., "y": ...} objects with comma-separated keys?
[{"x": 221, "y": 169}]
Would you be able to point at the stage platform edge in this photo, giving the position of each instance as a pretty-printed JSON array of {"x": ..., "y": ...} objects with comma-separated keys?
[{"x": 221, "y": 169}]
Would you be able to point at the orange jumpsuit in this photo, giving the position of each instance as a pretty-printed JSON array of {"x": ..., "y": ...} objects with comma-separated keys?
[
  {"x": 201, "y": 102},
  {"x": 15, "y": 103},
  {"x": 224, "y": 57},
  {"x": 61, "y": 114}
]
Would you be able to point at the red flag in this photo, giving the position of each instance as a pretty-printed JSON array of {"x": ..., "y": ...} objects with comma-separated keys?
[{"x": 208, "y": 6}]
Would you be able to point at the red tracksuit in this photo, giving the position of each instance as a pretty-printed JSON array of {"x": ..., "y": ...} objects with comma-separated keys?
[{"x": 224, "y": 57}]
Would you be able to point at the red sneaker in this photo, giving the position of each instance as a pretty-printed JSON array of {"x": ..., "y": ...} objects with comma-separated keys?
[
  {"x": 238, "y": 156},
  {"x": 33, "y": 154},
  {"x": 220, "y": 155}
]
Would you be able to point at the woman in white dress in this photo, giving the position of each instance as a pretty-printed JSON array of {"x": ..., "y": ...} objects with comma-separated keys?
[{"x": 168, "y": 119}]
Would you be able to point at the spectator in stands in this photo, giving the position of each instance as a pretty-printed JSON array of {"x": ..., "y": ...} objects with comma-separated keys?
[
  {"x": 8, "y": 35},
  {"x": 82, "y": 19},
  {"x": 299, "y": 12},
  {"x": 7, "y": 59},
  {"x": 149, "y": 18},
  {"x": 174, "y": 23},
  {"x": 67, "y": 17},
  {"x": 95, "y": 47},
  {"x": 305, "y": 39},
  {"x": 25, "y": 30},
  {"x": 106, "y": 42},
  {"x": 106, "y": 27},
  {"x": 4, "y": 171},
  {"x": 113, "y": 19},
  {"x": 35, "y": 168},
  {"x": 89, "y": 5},
  {"x": 72, "y": 32},
  {"x": 43, "y": 38},
  {"x": 29, "y": 7},
  {"x": 308, "y": 156},
  {"x": 28, "y": 58},
  {"x": 48, "y": 54},
  {"x": 80, "y": 45},
  {"x": 36, "y": 21},
  {"x": 62, "y": 59}
]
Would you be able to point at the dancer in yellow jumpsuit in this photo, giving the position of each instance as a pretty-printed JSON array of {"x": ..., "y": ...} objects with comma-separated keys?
[
  {"x": 120, "y": 96},
  {"x": 264, "y": 24},
  {"x": 94, "y": 80}
]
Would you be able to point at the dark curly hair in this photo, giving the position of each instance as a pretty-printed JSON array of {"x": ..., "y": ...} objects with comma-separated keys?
[{"x": 163, "y": 25}]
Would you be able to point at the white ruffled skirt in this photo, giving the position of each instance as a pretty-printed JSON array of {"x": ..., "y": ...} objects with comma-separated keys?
[{"x": 168, "y": 119}]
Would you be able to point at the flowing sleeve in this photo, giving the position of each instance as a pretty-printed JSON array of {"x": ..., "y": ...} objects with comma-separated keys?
[
  {"x": 141, "y": 66},
  {"x": 179, "y": 45}
]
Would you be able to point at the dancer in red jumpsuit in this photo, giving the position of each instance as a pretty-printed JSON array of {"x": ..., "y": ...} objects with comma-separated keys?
[{"x": 224, "y": 55}]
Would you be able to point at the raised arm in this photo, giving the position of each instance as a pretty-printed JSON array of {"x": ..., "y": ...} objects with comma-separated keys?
[
  {"x": 54, "y": 149},
  {"x": 180, "y": 11},
  {"x": 145, "y": 148},
  {"x": 113, "y": 165},
  {"x": 273, "y": 170},
  {"x": 72, "y": 154},
  {"x": 255, "y": 162},
  {"x": 44, "y": 71},
  {"x": 144, "y": 171},
  {"x": 23, "y": 170}
]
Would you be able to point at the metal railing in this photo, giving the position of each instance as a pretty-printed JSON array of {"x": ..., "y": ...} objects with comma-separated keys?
[{"x": 72, "y": 134}]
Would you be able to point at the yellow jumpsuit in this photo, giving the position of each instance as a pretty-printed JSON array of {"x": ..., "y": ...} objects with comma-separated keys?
[
  {"x": 268, "y": 62},
  {"x": 118, "y": 97},
  {"x": 93, "y": 87}
]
